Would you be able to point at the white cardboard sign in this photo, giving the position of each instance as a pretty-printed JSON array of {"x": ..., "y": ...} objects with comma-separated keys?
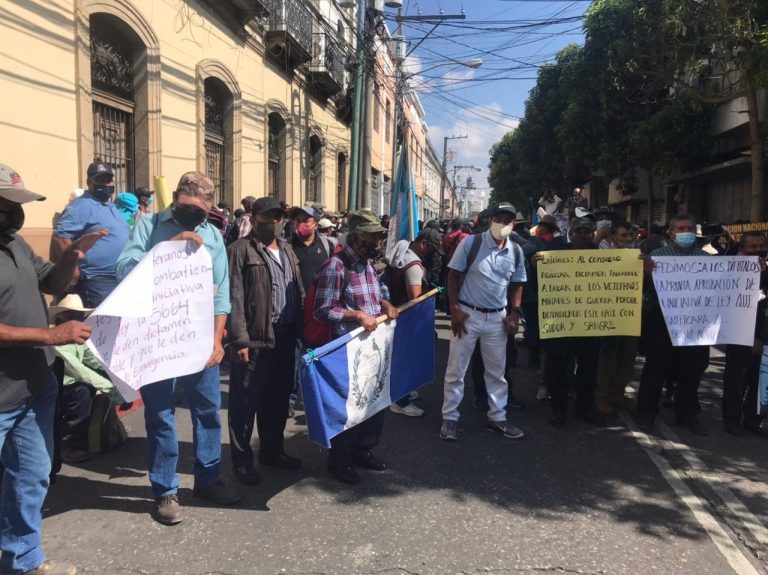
[
  {"x": 158, "y": 323},
  {"x": 708, "y": 300}
]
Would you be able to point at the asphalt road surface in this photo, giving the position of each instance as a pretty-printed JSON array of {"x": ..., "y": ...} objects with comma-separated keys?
[{"x": 576, "y": 499}]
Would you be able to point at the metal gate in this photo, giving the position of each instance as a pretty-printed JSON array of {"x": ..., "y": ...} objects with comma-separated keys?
[{"x": 113, "y": 142}]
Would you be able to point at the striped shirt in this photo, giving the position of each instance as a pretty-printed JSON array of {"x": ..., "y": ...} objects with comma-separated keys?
[
  {"x": 286, "y": 299},
  {"x": 361, "y": 291}
]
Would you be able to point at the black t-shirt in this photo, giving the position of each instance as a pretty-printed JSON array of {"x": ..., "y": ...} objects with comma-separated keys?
[{"x": 310, "y": 258}]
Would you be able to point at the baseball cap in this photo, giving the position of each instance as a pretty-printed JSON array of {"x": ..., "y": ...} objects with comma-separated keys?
[
  {"x": 504, "y": 207},
  {"x": 306, "y": 209},
  {"x": 143, "y": 191},
  {"x": 433, "y": 237},
  {"x": 579, "y": 223},
  {"x": 192, "y": 183},
  {"x": 264, "y": 205},
  {"x": 365, "y": 221},
  {"x": 324, "y": 224},
  {"x": 604, "y": 210},
  {"x": 12, "y": 187},
  {"x": 98, "y": 168}
]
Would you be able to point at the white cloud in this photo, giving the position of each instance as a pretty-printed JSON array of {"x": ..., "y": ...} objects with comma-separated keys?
[{"x": 484, "y": 126}]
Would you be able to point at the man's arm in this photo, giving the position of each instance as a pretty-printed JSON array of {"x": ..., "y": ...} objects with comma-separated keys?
[
  {"x": 58, "y": 245},
  {"x": 328, "y": 296},
  {"x": 220, "y": 321},
  {"x": 68, "y": 332},
  {"x": 238, "y": 330},
  {"x": 66, "y": 272}
]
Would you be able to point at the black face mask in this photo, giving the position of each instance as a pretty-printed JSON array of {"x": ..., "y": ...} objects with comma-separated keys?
[
  {"x": 103, "y": 192},
  {"x": 369, "y": 251},
  {"x": 268, "y": 231},
  {"x": 12, "y": 220},
  {"x": 189, "y": 217}
]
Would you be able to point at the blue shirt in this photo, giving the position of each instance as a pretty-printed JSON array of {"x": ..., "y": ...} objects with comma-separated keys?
[
  {"x": 88, "y": 214},
  {"x": 152, "y": 230},
  {"x": 486, "y": 282}
]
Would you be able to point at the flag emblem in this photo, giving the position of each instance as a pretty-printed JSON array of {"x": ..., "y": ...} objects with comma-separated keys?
[{"x": 16, "y": 179}]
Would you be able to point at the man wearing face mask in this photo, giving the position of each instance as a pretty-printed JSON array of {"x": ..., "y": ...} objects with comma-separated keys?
[
  {"x": 485, "y": 285},
  {"x": 742, "y": 363},
  {"x": 348, "y": 295},
  {"x": 688, "y": 363},
  {"x": 186, "y": 219},
  {"x": 93, "y": 211},
  {"x": 267, "y": 295},
  {"x": 146, "y": 198},
  {"x": 604, "y": 217},
  {"x": 28, "y": 389},
  {"x": 311, "y": 248}
]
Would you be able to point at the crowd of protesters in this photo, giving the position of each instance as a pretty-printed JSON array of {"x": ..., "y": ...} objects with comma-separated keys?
[{"x": 279, "y": 270}]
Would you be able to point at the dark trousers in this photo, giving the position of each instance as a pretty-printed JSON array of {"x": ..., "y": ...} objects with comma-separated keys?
[
  {"x": 95, "y": 290},
  {"x": 531, "y": 334},
  {"x": 260, "y": 391},
  {"x": 559, "y": 358},
  {"x": 740, "y": 383},
  {"x": 687, "y": 364},
  {"x": 75, "y": 405},
  {"x": 478, "y": 368},
  {"x": 356, "y": 440}
]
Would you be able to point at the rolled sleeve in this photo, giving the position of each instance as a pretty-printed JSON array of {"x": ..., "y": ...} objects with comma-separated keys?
[
  {"x": 328, "y": 296},
  {"x": 136, "y": 247}
]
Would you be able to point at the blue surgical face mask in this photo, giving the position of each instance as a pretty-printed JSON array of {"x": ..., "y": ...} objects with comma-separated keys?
[{"x": 685, "y": 239}]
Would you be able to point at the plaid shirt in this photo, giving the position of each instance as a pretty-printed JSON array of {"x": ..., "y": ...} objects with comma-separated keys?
[
  {"x": 672, "y": 249},
  {"x": 361, "y": 292}
]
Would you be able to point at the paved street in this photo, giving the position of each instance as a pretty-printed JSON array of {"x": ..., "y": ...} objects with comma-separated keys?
[{"x": 571, "y": 500}]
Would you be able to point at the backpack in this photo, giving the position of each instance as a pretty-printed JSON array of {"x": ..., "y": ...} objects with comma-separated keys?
[
  {"x": 316, "y": 333},
  {"x": 105, "y": 430},
  {"x": 472, "y": 255}
]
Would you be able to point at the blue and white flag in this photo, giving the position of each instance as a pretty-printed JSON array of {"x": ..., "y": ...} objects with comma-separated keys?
[
  {"x": 357, "y": 375},
  {"x": 762, "y": 386},
  {"x": 404, "y": 208}
]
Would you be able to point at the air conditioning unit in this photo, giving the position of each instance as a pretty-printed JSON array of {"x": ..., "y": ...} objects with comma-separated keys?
[{"x": 393, "y": 3}]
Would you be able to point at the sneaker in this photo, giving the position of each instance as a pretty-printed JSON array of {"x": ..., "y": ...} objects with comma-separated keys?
[
  {"x": 448, "y": 430},
  {"x": 217, "y": 492},
  {"x": 247, "y": 475},
  {"x": 505, "y": 429},
  {"x": 411, "y": 410},
  {"x": 480, "y": 403},
  {"x": 53, "y": 568},
  {"x": 542, "y": 394},
  {"x": 167, "y": 510},
  {"x": 515, "y": 403},
  {"x": 413, "y": 395}
]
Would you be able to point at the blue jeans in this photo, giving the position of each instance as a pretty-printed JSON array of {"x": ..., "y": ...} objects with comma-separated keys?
[
  {"x": 203, "y": 394},
  {"x": 26, "y": 437}
]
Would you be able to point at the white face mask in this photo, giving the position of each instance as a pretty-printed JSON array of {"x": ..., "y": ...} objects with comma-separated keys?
[{"x": 501, "y": 231}]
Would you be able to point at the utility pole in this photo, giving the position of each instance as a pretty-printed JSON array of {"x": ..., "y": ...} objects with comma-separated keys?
[
  {"x": 357, "y": 107},
  {"x": 444, "y": 174}
]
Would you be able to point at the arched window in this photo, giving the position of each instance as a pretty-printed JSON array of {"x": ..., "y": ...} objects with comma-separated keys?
[
  {"x": 114, "y": 51},
  {"x": 341, "y": 182},
  {"x": 218, "y": 140},
  {"x": 315, "y": 170},
  {"x": 276, "y": 156}
]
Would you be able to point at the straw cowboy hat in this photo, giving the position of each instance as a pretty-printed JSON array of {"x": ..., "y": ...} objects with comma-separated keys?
[{"x": 70, "y": 302}]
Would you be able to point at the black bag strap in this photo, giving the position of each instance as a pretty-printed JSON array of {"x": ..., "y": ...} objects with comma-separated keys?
[{"x": 474, "y": 249}]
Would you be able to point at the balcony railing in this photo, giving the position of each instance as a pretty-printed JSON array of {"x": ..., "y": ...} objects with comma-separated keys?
[
  {"x": 289, "y": 30},
  {"x": 327, "y": 65}
]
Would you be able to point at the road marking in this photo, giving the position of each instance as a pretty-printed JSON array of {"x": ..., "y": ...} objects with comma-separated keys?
[
  {"x": 747, "y": 518},
  {"x": 728, "y": 549}
]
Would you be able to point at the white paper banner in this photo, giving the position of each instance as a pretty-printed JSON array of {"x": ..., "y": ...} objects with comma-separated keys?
[
  {"x": 158, "y": 323},
  {"x": 708, "y": 300}
]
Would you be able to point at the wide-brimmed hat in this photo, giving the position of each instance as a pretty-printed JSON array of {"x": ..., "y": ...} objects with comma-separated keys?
[
  {"x": 70, "y": 302},
  {"x": 549, "y": 221}
]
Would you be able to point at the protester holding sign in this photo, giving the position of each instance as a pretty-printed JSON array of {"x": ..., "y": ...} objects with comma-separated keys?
[
  {"x": 185, "y": 219},
  {"x": 742, "y": 363},
  {"x": 267, "y": 294},
  {"x": 687, "y": 363},
  {"x": 28, "y": 389}
]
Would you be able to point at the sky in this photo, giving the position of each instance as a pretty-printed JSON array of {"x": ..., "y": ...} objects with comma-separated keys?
[{"x": 512, "y": 38}]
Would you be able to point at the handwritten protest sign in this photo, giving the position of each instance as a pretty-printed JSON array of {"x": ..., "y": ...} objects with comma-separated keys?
[
  {"x": 158, "y": 323},
  {"x": 587, "y": 293},
  {"x": 708, "y": 300}
]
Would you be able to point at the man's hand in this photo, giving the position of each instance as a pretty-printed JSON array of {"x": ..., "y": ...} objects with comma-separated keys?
[
  {"x": 189, "y": 236},
  {"x": 648, "y": 264},
  {"x": 243, "y": 355},
  {"x": 217, "y": 355},
  {"x": 366, "y": 321},
  {"x": 458, "y": 319},
  {"x": 69, "y": 332},
  {"x": 763, "y": 265},
  {"x": 512, "y": 323},
  {"x": 536, "y": 258},
  {"x": 757, "y": 348},
  {"x": 76, "y": 251},
  {"x": 389, "y": 310}
]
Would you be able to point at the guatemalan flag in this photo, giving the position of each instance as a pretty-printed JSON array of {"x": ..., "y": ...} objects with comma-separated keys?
[
  {"x": 403, "y": 208},
  {"x": 357, "y": 375}
]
